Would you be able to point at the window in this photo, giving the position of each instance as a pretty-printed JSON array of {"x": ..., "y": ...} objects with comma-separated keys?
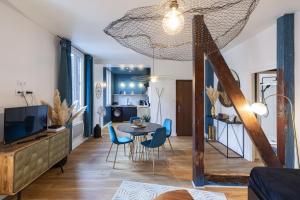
[
  {"x": 77, "y": 60},
  {"x": 108, "y": 87}
]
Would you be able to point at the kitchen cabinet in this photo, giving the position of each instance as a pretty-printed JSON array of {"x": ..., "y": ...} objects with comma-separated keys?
[{"x": 129, "y": 111}]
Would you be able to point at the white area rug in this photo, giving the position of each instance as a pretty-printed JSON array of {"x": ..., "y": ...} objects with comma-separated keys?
[{"x": 129, "y": 190}]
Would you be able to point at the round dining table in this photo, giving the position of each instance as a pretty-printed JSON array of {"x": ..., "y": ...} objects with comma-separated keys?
[
  {"x": 148, "y": 128},
  {"x": 138, "y": 135}
]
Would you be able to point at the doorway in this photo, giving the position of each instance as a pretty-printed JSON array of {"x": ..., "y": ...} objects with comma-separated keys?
[{"x": 184, "y": 107}]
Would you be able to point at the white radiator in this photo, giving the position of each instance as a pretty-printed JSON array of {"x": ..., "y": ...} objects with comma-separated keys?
[{"x": 77, "y": 134}]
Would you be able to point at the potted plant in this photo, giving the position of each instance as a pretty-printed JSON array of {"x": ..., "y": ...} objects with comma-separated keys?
[{"x": 146, "y": 118}]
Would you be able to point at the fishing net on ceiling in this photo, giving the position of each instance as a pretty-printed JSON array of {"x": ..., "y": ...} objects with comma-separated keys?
[{"x": 141, "y": 28}]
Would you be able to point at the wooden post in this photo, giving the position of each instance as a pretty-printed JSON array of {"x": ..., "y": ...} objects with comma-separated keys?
[
  {"x": 286, "y": 87},
  {"x": 198, "y": 103},
  {"x": 237, "y": 98}
]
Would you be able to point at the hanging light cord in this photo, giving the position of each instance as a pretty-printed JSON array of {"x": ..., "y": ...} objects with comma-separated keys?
[
  {"x": 153, "y": 62},
  {"x": 293, "y": 119}
]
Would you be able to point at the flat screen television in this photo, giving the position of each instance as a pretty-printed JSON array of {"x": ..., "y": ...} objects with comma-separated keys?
[{"x": 23, "y": 122}]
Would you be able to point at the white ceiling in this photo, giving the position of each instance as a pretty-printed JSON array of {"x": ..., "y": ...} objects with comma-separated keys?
[{"x": 83, "y": 22}]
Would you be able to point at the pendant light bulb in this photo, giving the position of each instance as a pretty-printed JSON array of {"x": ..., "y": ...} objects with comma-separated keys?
[{"x": 173, "y": 21}]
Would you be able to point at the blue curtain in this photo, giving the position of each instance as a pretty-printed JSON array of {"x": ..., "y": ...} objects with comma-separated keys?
[
  {"x": 65, "y": 71},
  {"x": 88, "y": 97},
  {"x": 65, "y": 77},
  {"x": 209, "y": 81}
]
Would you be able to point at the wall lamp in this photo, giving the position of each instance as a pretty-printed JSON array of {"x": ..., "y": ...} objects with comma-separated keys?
[{"x": 261, "y": 108}]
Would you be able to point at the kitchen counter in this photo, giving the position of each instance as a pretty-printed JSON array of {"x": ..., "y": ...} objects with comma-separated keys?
[
  {"x": 138, "y": 106},
  {"x": 120, "y": 113}
]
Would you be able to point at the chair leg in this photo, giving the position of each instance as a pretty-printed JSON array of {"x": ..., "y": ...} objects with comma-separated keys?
[
  {"x": 124, "y": 150},
  {"x": 61, "y": 168},
  {"x": 153, "y": 160},
  {"x": 143, "y": 152},
  {"x": 164, "y": 148},
  {"x": 116, "y": 157},
  {"x": 170, "y": 145},
  {"x": 109, "y": 151},
  {"x": 132, "y": 150}
]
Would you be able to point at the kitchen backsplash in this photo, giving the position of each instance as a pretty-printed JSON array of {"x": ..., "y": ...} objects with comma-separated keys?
[{"x": 132, "y": 99}]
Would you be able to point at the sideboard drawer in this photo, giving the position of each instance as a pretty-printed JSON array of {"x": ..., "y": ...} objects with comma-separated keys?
[
  {"x": 58, "y": 147},
  {"x": 30, "y": 163}
]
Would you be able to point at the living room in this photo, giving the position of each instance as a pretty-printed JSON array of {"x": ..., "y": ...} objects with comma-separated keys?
[{"x": 223, "y": 126}]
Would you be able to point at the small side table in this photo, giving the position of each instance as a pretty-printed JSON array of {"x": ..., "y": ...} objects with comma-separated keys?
[{"x": 228, "y": 124}]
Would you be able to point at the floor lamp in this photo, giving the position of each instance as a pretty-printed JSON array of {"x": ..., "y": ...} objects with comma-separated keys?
[{"x": 261, "y": 108}]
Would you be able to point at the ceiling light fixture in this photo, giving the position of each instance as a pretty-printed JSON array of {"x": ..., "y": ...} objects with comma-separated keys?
[
  {"x": 131, "y": 67},
  {"x": 122, "y": 66},
  {"x": 131, "y": 85},
  {"x": 173, "y": 22},
  {"x": 144, "y": 27},
  {"x": 141, "y": 85},
  {"x": 141, "y": 66},
  {"x": 122, "y": 85}
]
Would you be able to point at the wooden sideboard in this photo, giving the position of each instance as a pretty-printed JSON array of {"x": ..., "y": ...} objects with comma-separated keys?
[{"x": 21, "y": 164}]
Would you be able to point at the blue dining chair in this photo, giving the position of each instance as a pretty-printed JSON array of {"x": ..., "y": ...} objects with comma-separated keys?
[
  {"x": 158, "y": 139},
  {"x": 168, "y": 125},
  {"x": 133, "y": 118},
  {"x": 118, "y": 141}
]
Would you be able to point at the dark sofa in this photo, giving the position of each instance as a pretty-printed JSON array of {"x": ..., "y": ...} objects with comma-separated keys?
[{"x": 274, "y": 184}]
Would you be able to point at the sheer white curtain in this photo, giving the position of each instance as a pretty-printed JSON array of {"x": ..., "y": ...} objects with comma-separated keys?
[
  {"x": 77, "y": 62},
  {"x": 77, "y": 59}
]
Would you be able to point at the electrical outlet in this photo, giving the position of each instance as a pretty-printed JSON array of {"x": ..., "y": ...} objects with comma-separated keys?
[{"x": 19, "y": 92}]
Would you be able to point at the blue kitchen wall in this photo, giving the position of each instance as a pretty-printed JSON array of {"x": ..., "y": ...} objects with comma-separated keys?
[{"x": 127, "y": 79}]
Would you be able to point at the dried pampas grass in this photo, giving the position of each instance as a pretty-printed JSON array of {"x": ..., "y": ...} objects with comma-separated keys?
[
  {"x": 212, "y": 94},
  {"x": 61, "y": 114}
]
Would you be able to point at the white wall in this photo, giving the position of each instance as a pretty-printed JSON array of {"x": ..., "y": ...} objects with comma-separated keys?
[
  {"x": 176, "y": 71},
  {"x": 98, "y": 77},
  {"x": 253, "y": 55},
  {"x": 28, "y": 54}
]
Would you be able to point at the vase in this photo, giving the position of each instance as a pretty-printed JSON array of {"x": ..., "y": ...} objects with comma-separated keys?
[
  {"x": 97, "y": 131},
  {"x": 213, "y": 111}
]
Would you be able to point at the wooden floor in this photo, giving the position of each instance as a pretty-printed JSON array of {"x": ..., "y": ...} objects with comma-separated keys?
[
  {"x": 216, "y": 163},
  {"x": 88, "y": 176}
]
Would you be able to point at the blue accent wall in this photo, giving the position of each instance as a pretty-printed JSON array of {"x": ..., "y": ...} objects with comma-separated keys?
[
  {"x": 126, "y": 80},
  {"x": 285, "y": 68},
  {"x": 107, "y": 117},
  {"x": 209, "y": 81}
]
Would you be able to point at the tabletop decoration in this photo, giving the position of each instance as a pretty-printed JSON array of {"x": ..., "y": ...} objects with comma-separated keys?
[
  {"x": 213, "y": 96},
  {"x": 61, "y": 114}
]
